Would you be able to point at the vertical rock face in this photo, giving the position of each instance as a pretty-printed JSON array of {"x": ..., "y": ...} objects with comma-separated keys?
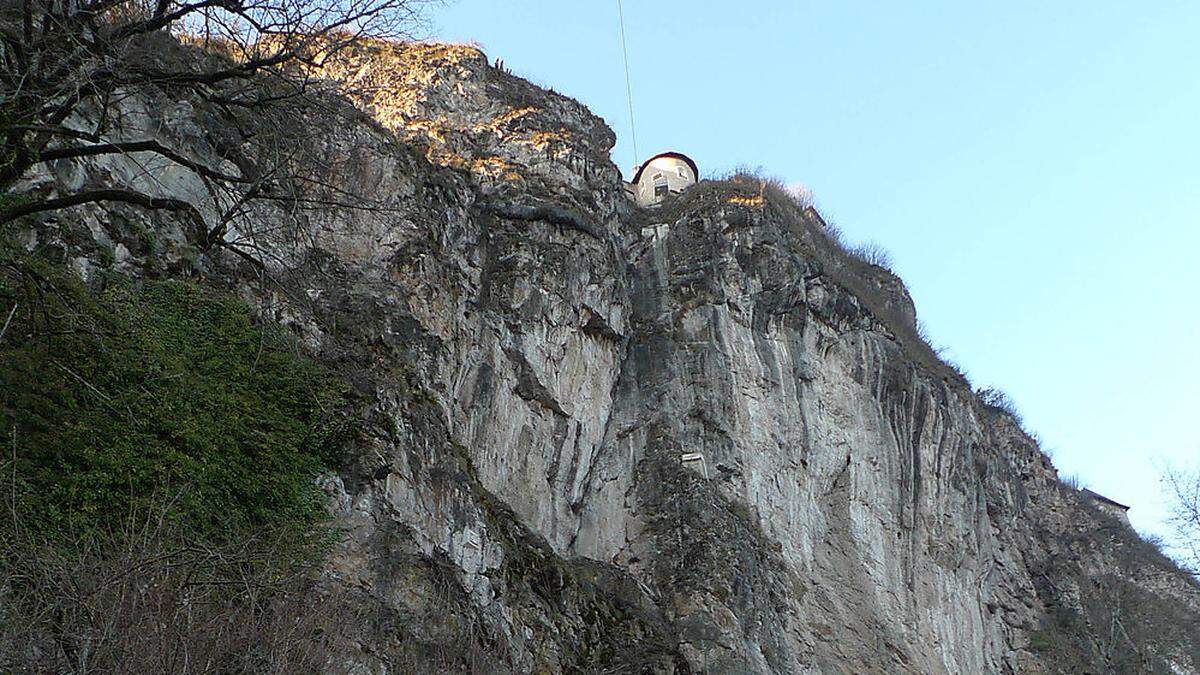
[
  {"x": 536, "y": 358},
  {"x": 530, "y": 358}
]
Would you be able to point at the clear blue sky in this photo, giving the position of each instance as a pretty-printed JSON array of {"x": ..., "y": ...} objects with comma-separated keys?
[{"x": 1034, "y": 168}]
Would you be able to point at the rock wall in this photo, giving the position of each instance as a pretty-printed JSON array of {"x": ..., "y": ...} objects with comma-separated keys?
[{"x": 534, "y": 356}]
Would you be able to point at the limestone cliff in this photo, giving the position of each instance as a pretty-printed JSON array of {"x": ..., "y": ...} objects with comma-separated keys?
[{"x": 534, "y": 355}]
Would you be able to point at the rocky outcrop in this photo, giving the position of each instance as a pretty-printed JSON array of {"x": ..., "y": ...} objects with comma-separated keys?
[{"x": 534, "y": 356}]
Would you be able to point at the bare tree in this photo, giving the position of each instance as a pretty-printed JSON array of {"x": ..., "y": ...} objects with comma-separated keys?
[
  {"x": 1183, "y": 491},
  {"x": 67, "y": 65},
  {"x": 140, "y": 598}
]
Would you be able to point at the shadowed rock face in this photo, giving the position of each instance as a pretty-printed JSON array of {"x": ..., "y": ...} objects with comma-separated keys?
[{"x": 534, "y": 355}]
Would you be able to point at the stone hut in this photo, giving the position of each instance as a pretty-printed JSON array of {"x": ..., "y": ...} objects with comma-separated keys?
[
  {"x": 1112, "y": 508},
  {"x": 664, "y": 174}
]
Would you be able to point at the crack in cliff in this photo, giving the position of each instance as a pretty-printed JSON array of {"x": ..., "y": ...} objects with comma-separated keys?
[
  {"x": 542, "y": 211},
  {"x": 528, "y": 386}
]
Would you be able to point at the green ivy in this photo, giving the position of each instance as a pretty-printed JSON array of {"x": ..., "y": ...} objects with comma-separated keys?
[{"x": 159, "y": 396}]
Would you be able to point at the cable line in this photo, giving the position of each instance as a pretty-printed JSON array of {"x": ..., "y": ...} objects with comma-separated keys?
[{"x": 628, "y": 82}]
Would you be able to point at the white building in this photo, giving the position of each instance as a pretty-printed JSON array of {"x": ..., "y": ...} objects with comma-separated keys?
[{"x": 667, "y": 173}]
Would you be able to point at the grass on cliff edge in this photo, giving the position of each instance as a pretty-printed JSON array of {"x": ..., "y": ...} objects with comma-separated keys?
[{"x": 161, "y": 397}]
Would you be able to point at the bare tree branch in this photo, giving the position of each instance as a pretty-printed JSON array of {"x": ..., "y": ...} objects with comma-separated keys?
[
  {"x": 106, "y": 195},
  {"x": 138, "y": 146},
  {"x": 72, "y": 59},
  {"x": 1183, "y": 493}
]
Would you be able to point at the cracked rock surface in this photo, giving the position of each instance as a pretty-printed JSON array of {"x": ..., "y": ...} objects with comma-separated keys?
[{"x": 535, "y": 356}]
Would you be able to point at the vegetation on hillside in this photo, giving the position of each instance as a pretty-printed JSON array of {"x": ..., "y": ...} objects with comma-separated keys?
[
  {"x": 161, "y": 511},
  {"x": 162, "y": 390}
]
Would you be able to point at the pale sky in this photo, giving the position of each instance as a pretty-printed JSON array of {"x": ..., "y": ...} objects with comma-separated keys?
[{"x": 1033, "y": 167}]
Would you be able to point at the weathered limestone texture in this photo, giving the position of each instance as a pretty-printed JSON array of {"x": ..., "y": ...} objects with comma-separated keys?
[{"x": 533, "y": 355}]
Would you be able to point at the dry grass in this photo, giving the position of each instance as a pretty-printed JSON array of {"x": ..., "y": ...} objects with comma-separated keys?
[
  {"x": 144, "y": 600},
  {"x": 995, "y": 399},
  {"x": 872, "y": 254},
  {"x": 1072, "y": 481},
  {"x": 770, "y": 187}
]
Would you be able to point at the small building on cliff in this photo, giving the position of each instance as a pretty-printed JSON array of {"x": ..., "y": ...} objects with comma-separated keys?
[
  {"x": 1109, "y": 506},
  {"x": 664, "y": 174}
]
